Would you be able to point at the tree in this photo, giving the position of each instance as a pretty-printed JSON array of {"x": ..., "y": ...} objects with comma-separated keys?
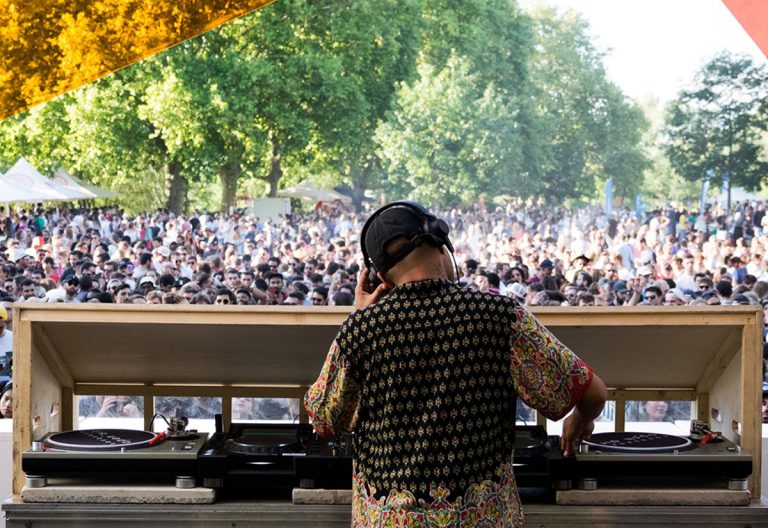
[
  {"x": 717, "y": 123},
  {"x": 449, "y": 143},
  {"x": 587, "y": 129},
  {"x": 456, "y": 132}
]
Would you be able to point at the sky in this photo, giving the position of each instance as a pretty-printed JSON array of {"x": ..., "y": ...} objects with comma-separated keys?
[{"x": 656, "y": 46}]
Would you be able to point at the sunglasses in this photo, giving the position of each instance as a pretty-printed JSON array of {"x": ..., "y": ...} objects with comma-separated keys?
[
  {"x": 650, "y": 297},
  {"x": 222, "y": 301}
]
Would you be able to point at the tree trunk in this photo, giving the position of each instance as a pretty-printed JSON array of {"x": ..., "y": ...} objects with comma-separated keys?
[
  {"x": 177, "y": 188},
  {"x": 229, "y": 174},
  {"x": 275, "y": 170}
]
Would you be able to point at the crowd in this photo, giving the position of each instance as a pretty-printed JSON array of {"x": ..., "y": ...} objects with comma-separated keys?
[{"x": 542, "y": 256}]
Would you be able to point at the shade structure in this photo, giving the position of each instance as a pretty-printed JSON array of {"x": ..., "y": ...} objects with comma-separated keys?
[
  {"x": 10, "y": 194},
  {"x": 306, "y": 190},
  {"x": 23, "y": 183},
  {"x": 64, "y": 179}
]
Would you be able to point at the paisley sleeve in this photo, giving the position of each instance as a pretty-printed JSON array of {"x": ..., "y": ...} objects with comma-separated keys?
[
  {"x": 547, "y": 375},
  {"x": 333, "y": 400}
]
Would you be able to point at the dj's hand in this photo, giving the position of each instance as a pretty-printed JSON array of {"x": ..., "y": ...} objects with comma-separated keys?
[
  {"x": 575, "y": 430},
  {"x": 365, "y": 293}
]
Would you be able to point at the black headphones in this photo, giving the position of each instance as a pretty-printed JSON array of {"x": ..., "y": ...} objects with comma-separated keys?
[{"x": 433, "y": 229}]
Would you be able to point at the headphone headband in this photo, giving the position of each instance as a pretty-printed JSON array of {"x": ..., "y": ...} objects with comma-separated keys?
[{"x": 434, "y": 229}]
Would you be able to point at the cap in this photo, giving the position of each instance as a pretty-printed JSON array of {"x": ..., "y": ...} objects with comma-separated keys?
[
  {"x": 519, "y": 291},
  {"x": 740, "y": 298},
  {"x": 546, "y": 263},
  {"x": 73, "y": 279},
  {"x": 620, "y": 286},
  {"x": 389, "y": 224},
  {"x": 145, "y": 280},
  {"x": 163, "y": 250},
  {"x": 644, "y": 270},
  {"x": 677, "y": 293},
  {"x": 583, "y": 258},
  {"x": 3, "y": 313}
]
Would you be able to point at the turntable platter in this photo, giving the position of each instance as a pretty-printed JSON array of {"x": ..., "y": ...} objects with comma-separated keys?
[
  {"x": 627, "y": 442},
  {"x": 262, "y": 441},
  {"x": 267, "y": 438},
  {"x": 99, "y": 440}
]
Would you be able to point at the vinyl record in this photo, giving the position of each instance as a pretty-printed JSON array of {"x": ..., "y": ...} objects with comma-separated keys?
[
  {"x": 627, "y": 442},
  {"x": 99, "y": 440}
]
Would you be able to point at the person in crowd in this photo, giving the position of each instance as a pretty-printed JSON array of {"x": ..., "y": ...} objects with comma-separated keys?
[
  {"x": 648, "y": 411},
  {"x": 6, "y": 400},
  {"x": 111, "y": 406},
  {"x": 390, "y": 364},
  {"x": 6, "y": 336}
]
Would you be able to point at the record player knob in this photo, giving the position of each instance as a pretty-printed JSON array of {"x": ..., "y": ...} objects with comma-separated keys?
[{"x": 37, "y": 446}]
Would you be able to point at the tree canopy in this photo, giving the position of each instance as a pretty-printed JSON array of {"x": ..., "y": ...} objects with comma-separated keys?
[
  {"x": 438, "y": 100},
  {"x": 716, "y": 125}
]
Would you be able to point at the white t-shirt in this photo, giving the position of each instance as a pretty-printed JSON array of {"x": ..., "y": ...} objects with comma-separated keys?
[{"x": 6, "y": 342}]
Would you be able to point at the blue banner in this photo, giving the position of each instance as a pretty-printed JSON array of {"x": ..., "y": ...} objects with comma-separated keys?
[
  {"x": 705, "y": 189},
  {"x": 608, "y": 196}
]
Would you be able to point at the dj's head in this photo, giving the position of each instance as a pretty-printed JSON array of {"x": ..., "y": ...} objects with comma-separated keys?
[{"x": 396, "y": 230}]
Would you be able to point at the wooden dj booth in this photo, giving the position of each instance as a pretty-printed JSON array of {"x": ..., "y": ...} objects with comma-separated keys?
[{"x": 711, "y": 356}]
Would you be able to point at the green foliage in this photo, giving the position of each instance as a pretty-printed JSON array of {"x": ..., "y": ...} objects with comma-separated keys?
[
  {"x": 451, "y": 141},
  {"x": 441, "y": 100},
  {"x": 587, "y": 130},
  {"x": 718, "y": 123}
]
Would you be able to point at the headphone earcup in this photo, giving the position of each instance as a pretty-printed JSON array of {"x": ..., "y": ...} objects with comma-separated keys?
[{"x": 438, "y": 233}]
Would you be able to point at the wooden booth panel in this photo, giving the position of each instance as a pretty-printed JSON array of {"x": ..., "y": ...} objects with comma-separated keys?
[{"x": 191, "y": 354}]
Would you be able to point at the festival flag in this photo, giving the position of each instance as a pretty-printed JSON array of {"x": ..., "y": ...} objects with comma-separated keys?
[
  {"x": 705, "y": 188},
  {"x": 608, "y": 189}
]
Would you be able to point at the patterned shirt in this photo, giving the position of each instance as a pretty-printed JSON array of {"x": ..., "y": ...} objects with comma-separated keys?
[{"x": 427, "y": 377}]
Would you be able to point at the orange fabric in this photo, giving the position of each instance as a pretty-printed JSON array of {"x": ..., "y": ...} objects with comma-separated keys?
[
  {"x": 53, "y": 46},
  {"x": 753, "y": 17}
]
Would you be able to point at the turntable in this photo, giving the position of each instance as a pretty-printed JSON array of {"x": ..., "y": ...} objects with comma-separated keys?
[
  {"x": 255, "y": 459},
  {"x": 101, "y": 455},
  {"x": 641, "y": 458}
]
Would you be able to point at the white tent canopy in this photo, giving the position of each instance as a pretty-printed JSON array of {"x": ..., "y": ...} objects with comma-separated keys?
[
  {"x": 305, "y": 190},
  {"x": 23, "y": 180},
  {"x": 66, "y": 180},
  {"x": 9, "y": 194},
  {"x": 738, "y": 194}
]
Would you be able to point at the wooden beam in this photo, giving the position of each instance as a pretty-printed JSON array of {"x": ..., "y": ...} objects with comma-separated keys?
[
  {"x": 94, "y": 389},
  {"x": 52, "y": 357},
  {"x": 652, "y": 394},
  {"x": 67, "y": 409},
  {"x": 722, "y": 358},
  {"x": 702, "y": 407},
  {"x": 621, "y": 416},
  {"x": 751, "y": 400},
  {"x": 22, "y": 396},
  {"x": 226, "y": 412}
]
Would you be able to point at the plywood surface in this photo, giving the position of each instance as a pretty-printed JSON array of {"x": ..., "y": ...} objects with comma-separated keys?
[{"x": 629, "y": 347}]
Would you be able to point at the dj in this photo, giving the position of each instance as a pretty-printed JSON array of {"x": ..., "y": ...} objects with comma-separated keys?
[{"x": 428, "y": 376}]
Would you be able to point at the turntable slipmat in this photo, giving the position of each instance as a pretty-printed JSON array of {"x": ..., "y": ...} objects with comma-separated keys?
[
  {"x": 100, "y": 439},
  {"x": 626, "y": 442}
]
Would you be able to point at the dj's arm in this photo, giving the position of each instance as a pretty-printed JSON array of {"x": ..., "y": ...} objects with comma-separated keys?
[
  {"x": 333, "y": 400},
  {"x": 579, "y": 425},
  {"x": 547, "y": 375}
]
